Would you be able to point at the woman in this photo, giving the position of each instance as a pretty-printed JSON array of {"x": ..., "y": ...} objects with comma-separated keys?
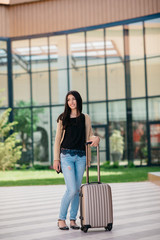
[{"x": 73, "y": 130}]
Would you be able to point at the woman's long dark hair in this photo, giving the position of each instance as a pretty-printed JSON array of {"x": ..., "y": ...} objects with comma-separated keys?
[{"x": 65, "y": 116}]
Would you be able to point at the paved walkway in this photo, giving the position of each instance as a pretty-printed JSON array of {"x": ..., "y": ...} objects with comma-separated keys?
[{"x": 31, "y": 212}]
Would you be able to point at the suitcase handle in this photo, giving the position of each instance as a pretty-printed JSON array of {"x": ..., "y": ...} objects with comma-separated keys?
[{"x": 98, "y": 163}]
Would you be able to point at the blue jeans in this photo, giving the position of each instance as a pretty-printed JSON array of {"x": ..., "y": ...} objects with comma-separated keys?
[{"x": 73, "y": 168}]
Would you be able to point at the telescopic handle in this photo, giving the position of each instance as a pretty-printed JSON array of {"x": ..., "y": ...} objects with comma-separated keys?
[{"x": 98, "y": 163}]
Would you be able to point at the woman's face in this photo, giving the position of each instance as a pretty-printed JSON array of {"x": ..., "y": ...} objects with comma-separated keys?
[{"x": 72, "y": 103}]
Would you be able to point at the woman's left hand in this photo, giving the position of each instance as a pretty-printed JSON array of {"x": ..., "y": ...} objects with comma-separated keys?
[{"x": 95, "y": 141}]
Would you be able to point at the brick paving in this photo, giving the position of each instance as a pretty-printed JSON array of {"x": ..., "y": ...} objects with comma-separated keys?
[{"x": 31, "y": 212}]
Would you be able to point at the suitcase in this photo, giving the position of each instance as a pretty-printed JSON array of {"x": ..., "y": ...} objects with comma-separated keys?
[{"x": 95, "y": 201}]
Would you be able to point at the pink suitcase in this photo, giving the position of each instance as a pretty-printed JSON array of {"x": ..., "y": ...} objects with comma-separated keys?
[{"x": 95, "y": 201}]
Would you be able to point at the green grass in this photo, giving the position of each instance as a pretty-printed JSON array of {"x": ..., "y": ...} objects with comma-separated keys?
[{"x": 50, "y": 177}]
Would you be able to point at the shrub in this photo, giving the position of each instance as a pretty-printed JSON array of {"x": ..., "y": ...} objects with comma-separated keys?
[{"x": 10, "y": 153}]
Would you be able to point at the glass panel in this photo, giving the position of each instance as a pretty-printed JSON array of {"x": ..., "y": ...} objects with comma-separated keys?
[
  {"x": 78, "y": 81},
  {"x": 101, "y": 132},
  {"x": 137, "y": 78},
  {"x": 41, "y": 126},
  {"x": 116, "y": 81},
  {"x": 20, "y": 56},
  {"x": 3, "y": 90},
  {"x": 76, "y": 50},
  {"x": 153, "y": 76},
  {"x": 57, "y": 50},
  {"x": 154, "y": 109},
  {"x": 152, "y": 37},
  {"x": 155, "y": 135},
  {"x": 39, "y": 54},
  {"x": 114, "y": 44},
  {"x": 96, "y": 83},
  {"x": 3, "y": 74},
  {"x": 84, "y": 109},
  {"x": 23, "y": 117},
  {"x": 117, "y": 132},
  {"x": 97, "y": 112},
  {"x": 21, "y": 88},
  {"x": 59, "y": 86},
  {"x": 155, "y": 143},
  {"x": 3, "y": 57},
  {"x": 95, "y": 47},
  {"x": 136, "y": 46},
  {"x": 40, "y": 88},
  {"x": 139, "y": 132}
]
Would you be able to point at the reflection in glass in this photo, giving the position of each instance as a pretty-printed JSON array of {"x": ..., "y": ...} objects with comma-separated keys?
[
  {"x": 3, "y": 90},
  {"x": 101, "y": 132},
  {"x": 95, "y": 47},
  {"x": 155, "y": 135},
  {"x": 21, "y": 88},
  {"x": 152, "y": 37},
  {"x": 96, "y": 83},
  {"x": 155, "y": 143},
  {"x": 3, "y": 74},
  {"x": 97, "y": 113},
  {"x": 76, "y": 50},
  {"x": 41, "y": 126},
  {"x": 40, "y": 88},
  {"x": 59, "y": 86},
  {"x": 3, "y": 57},
  {"x": 78, "y": 81},
  {"x": 39, "y": 54},
  {"x": 136, "y": 46},
  {"x": 117, "y": 131},
  {"x": 20, "y": 56},
  {"x": 154, "y": 109},
  {"x": 114, "y": 44},
  {"x": 84, "y": 107},
  {"x": 137, "y": 77},
  {"x": 153, "y": 76},
  {"x": 116, "y": 81},
  {"x": 139, "y": 132},
  {"x": 57, "y": 51},
  {"x": 23, "y": 117}
]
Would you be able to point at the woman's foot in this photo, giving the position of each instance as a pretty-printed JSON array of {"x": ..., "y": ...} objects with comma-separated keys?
[
  {"x": 62, "y": 225},
  {"x": 73, "y": 225}
]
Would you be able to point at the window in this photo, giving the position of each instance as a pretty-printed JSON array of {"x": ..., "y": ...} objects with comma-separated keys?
[
  {"x": 152, "y": 37},
  {"x": 57, "y": 51},
  {"x": 153, "y": 76},
  {"x": 3, "y": 74},
  {"x": 39, "y": 54},
  {"x": 96, "y": 83},
  {"x": 95, "y": 47}
]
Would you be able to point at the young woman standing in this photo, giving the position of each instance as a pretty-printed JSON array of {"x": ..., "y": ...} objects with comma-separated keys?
[{"x": 73, "y": 130}]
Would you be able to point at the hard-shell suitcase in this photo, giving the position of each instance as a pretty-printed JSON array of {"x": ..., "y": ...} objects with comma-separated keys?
[{"x": 95, "y": 201}]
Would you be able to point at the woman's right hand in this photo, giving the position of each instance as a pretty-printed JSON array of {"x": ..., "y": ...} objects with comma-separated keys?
[{"x": 57, "y": 165}]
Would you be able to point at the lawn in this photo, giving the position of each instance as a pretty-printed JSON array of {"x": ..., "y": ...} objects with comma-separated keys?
[{"x": 50, "y": 177}]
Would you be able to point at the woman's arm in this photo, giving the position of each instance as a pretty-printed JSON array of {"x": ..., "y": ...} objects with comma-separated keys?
[
  {"x": 56, "y": 163},
  {"x": 94, "y": 139}
]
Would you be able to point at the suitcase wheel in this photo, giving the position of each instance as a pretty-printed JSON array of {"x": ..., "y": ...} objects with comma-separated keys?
[
  {"x": 84, "y": 229},
  {"x": 109, "y": 227}
]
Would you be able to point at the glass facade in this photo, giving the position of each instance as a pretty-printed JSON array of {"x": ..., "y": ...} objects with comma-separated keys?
[{"x": 116, "y": 69}]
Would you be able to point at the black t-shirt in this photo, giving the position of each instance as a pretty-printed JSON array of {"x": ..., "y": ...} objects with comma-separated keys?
[{"x": 75, "y": 134}]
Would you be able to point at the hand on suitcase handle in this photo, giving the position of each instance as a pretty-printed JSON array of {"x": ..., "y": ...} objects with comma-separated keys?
[{"x": 90, "y": 142}]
